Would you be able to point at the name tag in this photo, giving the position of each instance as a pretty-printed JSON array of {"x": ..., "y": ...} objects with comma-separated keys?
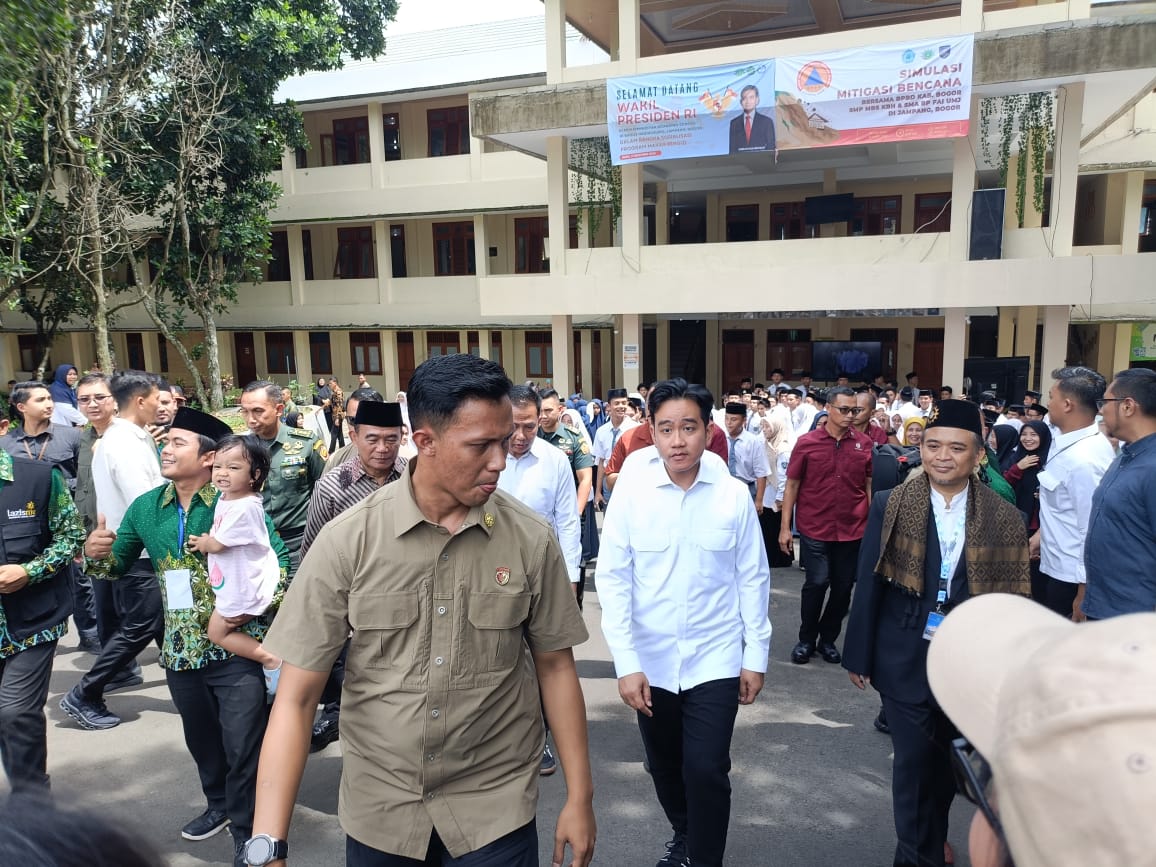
[
  {"x": 934, "y": 618},
  {"x": 178, "y": 589}
]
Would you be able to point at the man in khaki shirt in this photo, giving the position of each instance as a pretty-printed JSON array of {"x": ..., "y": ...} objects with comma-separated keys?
[{"x": 445, "y": 583}]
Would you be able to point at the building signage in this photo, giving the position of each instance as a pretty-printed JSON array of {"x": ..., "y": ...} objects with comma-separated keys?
[
  {"x": 630, "y": 356},
  {"x": 901, "y": 92},
  {"x": 1143, "y": 341}
]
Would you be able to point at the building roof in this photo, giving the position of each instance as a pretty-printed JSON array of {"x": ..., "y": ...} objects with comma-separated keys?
[{"x": 450, "y": 58}]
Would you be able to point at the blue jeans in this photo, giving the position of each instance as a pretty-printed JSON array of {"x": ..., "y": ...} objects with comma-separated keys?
[{"x": 517, "y": 849}]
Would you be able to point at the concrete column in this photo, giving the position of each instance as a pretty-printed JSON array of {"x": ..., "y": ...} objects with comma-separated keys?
[
  {"x": 260, "y": 359},
  {"x": 562, "y": 345},
  {"x": 715, "y": 230},
  {"x": 558, "y": 199},
  {"x": 1106, "y": 348},
  {"x": 963, "y": 171},
  {"x": 464, "y": 339},
  {"x": 1055, "y": 349},
  {"x": 228, "y": 353},
  {"x": 1025, "y": 343},
  {"x": 296, "y": 264},
  {"x": 481, "y": 252},
  {"x": 382, "y": 261},
  {"x": 585, "y": 242},
  {"x": 509, "y": 361},
  {"x": 1129, "y": 211},
  {"x": 84, "y": 350},
  {"x": 376, "y": 145},
  {"x": 629, "y": 333},
  {"x": 1066, "y": 166},
  {"x": 389, "y": 373},
  {"x": 1006, "y": 339},
  {"x": 662, "y": 215},
  {"x": 1122, "y": 356},
  {"x": 954, "y": 346},
  {"x": 303, "y": 360},
  {"x": 830, "y": 187},
  {"x": 288, "y": 171},
  {"x": 555, "y": 40},
  {"x": 971, "y": 16},
  {"x": 152, "y": 352},
  {"x": 629, "y": 35},
  {"x": 632, "y": 222},
  {"x": 586, "y": 363},
  {"x": 713, "y": 351},
  {"x": 662, "y": 349}
]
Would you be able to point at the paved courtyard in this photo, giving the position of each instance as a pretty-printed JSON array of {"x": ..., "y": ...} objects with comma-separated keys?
[{"x": 811, "y": 776}]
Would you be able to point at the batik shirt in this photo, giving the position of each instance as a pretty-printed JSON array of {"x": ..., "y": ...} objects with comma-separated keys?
[{"x": 155, "y": 522}]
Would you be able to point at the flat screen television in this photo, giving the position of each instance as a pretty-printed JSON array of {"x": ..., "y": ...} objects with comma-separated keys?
[
  {"x": 858, "y": 360},
  {"x": 828, "y": 209}
]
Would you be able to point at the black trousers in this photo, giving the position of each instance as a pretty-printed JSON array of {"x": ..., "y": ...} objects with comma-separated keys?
[
  {"x": 771, "y": 522},
  {"x": 1059, "y": 596},
  {"x": 107, "y": 617},
  {"x": 922, "y": 782},
  {"x": 517, "y": 849},
  {"x": 223, "y": 714},
  {"x": 137, "y": 596},
  {"x": 24, "y": 678},
  {"x": 83, "y": 602},
  {"x": 688, "y": 751},
  {"x": 588, "y": 527},
  {"x": 830, "y": 566}
]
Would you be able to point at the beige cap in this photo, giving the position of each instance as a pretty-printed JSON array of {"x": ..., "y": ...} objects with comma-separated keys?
[{"x": 1065, "y": 714}]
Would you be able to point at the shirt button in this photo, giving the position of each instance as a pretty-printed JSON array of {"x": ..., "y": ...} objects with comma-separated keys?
[
  {"x": 441, "y": 609},
  {"x": 430, "y": 757},
  {"x": 435, "y": 713},
  {"x": 438, "y": 661},
  {"x": 430, "y": 796},
  {"x": 445, "y": 557}
]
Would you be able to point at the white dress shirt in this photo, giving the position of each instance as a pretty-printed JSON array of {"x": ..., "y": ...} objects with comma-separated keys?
[
  {"x": 605, "y": 440},
  {"x": 124, "y": 466},
  {"x": 750, "y": 457},
  {"x": 543, "y": 481},
  {"x": 1077, "y": 462},
  {"x": 802, "y": 417},
  {"x": 950, "y": 526},
  {"x": 683, "y": 579}
]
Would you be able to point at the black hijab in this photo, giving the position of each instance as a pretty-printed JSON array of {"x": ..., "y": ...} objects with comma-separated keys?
[
  {"x": 1027, "y": 486},
  {"x": 1006, "y": 438}
]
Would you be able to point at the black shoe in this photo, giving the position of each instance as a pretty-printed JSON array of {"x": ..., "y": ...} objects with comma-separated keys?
[
  {"x": 829, "y": 652},
  {"x": 206, "y": 825},
  {"x": 325, "y": 732},
  {"x": 89, "y": 642},
  {"x": 675, "y": 853},
  {"x": 89, "y": 714},
  {"x": 880, "y": 722},
  {"x": 549, "y": 763},
  {"x": 802, "y": 652}
]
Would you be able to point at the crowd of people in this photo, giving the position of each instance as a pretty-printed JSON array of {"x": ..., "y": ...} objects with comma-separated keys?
[{"x": 418, "y": 595}]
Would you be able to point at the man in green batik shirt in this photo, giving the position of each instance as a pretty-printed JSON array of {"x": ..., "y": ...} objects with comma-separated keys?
[
  {"x": 41, "y": 534},
  {"x": 220, "y": 697}
]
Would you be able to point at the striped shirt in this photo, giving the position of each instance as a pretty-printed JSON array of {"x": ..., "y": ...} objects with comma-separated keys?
[{"x": 339, "y": 489}]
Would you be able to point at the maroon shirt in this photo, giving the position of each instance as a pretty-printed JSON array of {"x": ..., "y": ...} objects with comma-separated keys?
[
  {"x": 877, "y": 434},
  {"x": 834, "y": 477}
]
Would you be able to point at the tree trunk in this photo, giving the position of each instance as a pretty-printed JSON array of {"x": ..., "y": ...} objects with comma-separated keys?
[{"x": 213, "y": 357}]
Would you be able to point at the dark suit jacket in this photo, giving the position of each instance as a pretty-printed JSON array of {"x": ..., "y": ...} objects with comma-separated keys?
[
  {"x": 884, "y": 638},
  {"x": 762, "y": 133}
]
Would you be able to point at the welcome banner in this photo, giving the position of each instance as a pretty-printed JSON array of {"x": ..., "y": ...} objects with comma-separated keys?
[{"x": 917, "y": 90}]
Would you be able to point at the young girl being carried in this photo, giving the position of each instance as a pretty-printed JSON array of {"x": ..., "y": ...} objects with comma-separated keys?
[{"x": 243, "y": 568}]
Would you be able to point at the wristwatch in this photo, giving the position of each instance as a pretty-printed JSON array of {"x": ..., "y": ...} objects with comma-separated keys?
[{"x": 262, "y": 849}]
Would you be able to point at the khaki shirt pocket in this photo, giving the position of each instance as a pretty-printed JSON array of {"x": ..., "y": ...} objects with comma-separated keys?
[
  {"x": 383, "y": 633},
  {"x": 493, "y": 631}
]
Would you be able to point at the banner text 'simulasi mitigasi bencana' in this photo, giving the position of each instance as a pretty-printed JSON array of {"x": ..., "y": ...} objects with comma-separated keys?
[{"x": 916, "y": 90}]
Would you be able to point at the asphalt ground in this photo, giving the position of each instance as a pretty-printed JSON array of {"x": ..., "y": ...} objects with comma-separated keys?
[{"x": 811, "y": 776}]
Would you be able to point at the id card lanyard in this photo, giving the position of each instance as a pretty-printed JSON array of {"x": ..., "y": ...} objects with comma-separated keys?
[{"x": 947, "y": 548}]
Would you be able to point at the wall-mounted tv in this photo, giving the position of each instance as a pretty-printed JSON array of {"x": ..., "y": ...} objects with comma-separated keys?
[
  {"x": 858, "y": 360},
  {"x": 828, "y": 209}
]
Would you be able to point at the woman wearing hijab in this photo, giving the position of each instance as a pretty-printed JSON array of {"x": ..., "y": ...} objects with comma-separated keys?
[
  {"x": 323, "y": 397},
  {"x": 65, "y": 409},
  {"x": 595, "y": 417},
  {"x": 779, "y": 438},
  {"x": 1028, "y": 460},
  {"x": 913, "y": 430},
  {"x": 1003, "y": 438}
]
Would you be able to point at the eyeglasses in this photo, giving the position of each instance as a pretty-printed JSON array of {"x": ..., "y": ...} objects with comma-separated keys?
[
  {"x": 1103, "y": 400},
  {"x": 849, "y": 410},
  {"x": 95, "y": 398},
  {"x": 972, "y": 778}
]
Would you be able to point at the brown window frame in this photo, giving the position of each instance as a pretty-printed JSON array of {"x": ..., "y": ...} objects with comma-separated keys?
[
  {"x": 459, "y": 258},
  {"x": 366, "y": 341},
  {"x": 453, "y": 125}
]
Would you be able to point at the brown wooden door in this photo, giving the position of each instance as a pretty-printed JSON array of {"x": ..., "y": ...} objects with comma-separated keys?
[
  {"x": 246, "y": 358},
  {"x": 927, "y": 360},
  {"x": 738, "y": 361},
  {"x": 405, "y": 358}
]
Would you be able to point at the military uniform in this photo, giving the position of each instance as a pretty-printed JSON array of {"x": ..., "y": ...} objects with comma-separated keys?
[
  {"x": 297, "y": 460},
  {"x": 572, "y": 445}
]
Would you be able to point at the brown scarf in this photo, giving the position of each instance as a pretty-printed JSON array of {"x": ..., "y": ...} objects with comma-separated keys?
[{"x": 996, "y": 549}]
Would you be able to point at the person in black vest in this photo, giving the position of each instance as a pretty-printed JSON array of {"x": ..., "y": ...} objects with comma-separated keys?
[
  {"x": 40, "y": 533},
  {"x": 930, "y": 543}
]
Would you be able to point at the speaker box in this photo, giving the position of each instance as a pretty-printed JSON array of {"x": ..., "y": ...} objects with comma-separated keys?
[
  {"x": 1007, "y": 377},
  {"x": 986, "y": 239}
]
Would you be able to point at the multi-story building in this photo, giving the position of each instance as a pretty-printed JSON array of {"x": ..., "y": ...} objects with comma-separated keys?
[{"x": 434, "y": 209}]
